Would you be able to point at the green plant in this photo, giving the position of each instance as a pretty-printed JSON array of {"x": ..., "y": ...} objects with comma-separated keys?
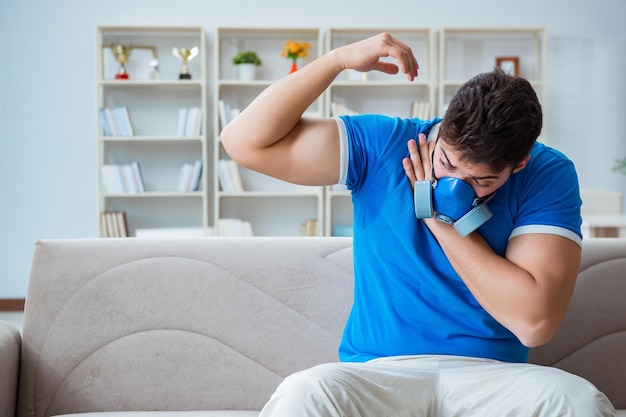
[{"x": 247, "y": 57}]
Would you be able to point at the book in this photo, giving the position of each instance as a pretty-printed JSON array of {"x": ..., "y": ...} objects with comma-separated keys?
[
  {"x": 106, "y": 126},
  {"x": 111, "y": 179},
  {"x": 121, "y": 179},
  {"x": 109, "y": 124},
  {"x": 189, "y": 176},
  {"x": 137, "y": 176},
  {"x": 420, "y": 109},
  {"x": 116, "y": 121},
  {"x": 113, "y": 224},
  {"x": 122, "y": 116},
  {"x": 183, "y": 177},
  {"x": 229, "y": 176},
  {"x": 338, "y": 109},
  {"x": 309, "y": 228},
  {"x": 226, "y": 113},
  {"x": 189, "y": 121},
  {"x": 234, "y": 227},
  {"x": 128, "y": 179},
  {"x": 182, "y": 121},
  {"x": 194, "y": 178}
]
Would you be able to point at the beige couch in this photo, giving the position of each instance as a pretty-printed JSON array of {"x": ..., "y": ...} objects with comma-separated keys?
[{"x": 204, "y": 325}]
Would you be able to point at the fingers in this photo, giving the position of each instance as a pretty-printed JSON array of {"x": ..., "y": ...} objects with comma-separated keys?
[
  {"x": 409, "y": 171},
  {"x": 425, "y": 152},
  {"x": 403, "y": 53},
  {"x": 392, "y": 47},
  {"x": 417, "y": 166}
]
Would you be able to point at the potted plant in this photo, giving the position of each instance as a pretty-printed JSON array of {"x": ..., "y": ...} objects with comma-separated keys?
[{"x": 246, "y": 63}]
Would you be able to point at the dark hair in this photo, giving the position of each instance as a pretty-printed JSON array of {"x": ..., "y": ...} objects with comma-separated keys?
[{"x": 493, "y": 119}]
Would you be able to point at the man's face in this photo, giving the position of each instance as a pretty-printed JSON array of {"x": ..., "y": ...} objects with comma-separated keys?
[{"x": 447, "y": 162}]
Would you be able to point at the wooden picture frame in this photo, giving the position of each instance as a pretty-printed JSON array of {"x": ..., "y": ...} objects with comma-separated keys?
[{"x": 509, "y": 64}]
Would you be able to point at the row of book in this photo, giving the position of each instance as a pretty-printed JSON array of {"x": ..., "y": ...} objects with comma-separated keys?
[
  {"x": 189, "y": 121},
  {"x": 234, "y": 227},
  {"x": 116, "y": 121},
  {"x": 309, "y": 228},
  {"x": 189, "y": 176},
  {"x": 420, "y": 109},
  {"x": 122, "y": 179},
  {"x": 226, "y": 113},
  {"x": 238, "y": 227},
  {"x": 229, "y": 177},
  {"x": 113, "y": 224},
  {"x": 339, "y": 109}
]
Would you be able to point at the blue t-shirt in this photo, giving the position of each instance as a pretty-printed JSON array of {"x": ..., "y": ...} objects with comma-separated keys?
[{"x": 408, "y": 300}]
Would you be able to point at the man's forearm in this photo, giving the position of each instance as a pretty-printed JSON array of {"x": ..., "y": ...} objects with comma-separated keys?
[{"x": 529, "y": 306}]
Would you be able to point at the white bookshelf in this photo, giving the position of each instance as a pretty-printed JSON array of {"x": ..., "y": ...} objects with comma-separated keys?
[
  {"x": 271, "y": 206},
  {"x": 153, "y": 103}
]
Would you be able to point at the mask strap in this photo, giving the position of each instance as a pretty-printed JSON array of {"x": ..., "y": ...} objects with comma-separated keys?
[{"x": 483, "y": 199}]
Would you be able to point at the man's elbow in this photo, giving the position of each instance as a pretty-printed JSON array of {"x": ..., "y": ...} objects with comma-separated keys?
[
  {"x": 227, "y": 140},
  {"x": 232, "y": 146},
  {"x": 537, "y": 333}
]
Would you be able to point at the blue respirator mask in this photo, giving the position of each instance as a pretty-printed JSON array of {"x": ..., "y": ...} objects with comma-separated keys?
[{"x": 453, "y": 201}]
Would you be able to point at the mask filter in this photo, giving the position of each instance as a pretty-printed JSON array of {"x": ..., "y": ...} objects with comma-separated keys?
[{"x": 450, "y": 200}]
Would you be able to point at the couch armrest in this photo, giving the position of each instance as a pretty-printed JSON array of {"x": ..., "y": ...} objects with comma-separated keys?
[{"x": 10, "y": 345}]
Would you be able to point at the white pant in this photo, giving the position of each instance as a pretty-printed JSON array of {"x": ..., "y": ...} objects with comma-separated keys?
[{"x": 436, "y": 386}]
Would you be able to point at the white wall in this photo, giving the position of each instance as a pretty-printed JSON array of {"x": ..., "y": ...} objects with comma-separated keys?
[{"x": 47, "y": 92}]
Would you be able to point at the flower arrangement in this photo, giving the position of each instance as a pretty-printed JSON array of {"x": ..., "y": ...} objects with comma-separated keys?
[{"x": 293, "y": 50}]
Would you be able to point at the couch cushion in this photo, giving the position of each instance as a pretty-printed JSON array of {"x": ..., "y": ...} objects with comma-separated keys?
[{"x": 178, "y": 324}]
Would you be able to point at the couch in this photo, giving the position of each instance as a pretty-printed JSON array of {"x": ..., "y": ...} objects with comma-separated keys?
[{"x": 210, "y": 326}]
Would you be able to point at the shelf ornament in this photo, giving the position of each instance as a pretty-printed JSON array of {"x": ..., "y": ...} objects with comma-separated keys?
[
  {"x": 246, "y": 62},
  {"x": 293, "y": 50},
  {"x": 122, "y": 55},
  {"x": 185, "y": 55}
]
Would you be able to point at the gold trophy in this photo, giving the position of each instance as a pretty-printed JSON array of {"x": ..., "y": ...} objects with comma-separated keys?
[
  {"x": 185, "y": 55},
  {"x": 122, "y": 55}
]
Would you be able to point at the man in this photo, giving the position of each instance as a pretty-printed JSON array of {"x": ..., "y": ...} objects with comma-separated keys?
[{"x": 442, "y": 320}]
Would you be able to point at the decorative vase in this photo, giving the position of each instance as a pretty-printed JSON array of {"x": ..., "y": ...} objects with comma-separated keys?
[
  {"x": 294, "y": 67},
  {"x": 247, "y": 72}
]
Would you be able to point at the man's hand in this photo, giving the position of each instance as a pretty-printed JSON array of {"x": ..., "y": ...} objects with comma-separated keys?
[
  {"x": 366, "y": 56},
  {"x": 418, "y": 165}
]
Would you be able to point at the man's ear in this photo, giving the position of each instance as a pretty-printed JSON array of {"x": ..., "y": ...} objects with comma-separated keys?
[{"x": 521, "y": 165}]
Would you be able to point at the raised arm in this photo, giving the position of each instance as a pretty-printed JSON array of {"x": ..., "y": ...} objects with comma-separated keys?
[{"x": 272, "y": 137}]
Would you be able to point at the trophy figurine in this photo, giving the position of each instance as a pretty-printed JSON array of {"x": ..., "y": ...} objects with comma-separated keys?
[
  {"x": 122, "y": 55},
  {"x": 185, "y": 55}
]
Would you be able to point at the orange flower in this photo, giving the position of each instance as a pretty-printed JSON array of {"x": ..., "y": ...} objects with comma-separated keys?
[{"x": 294, "y": 50}]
